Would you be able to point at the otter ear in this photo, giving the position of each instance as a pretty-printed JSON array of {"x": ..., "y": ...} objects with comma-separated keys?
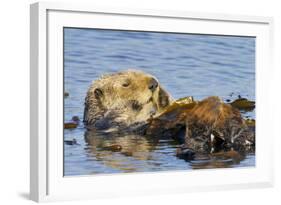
[
  {"x": 164, "y": 97},
  {"x": 98, "y": 93}
]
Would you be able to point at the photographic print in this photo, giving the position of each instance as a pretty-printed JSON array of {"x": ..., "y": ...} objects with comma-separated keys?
[{"x": 142, "y": 101}]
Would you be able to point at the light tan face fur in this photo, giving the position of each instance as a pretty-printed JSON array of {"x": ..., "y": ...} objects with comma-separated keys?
[
  {"x": 128, "y": 94},
  {"x": 121, "y": 88}
]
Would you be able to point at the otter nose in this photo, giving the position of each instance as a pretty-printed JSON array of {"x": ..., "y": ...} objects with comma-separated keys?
[{"x": 153, "y": 84}]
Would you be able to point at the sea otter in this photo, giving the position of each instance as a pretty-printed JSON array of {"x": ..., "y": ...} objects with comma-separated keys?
[
  {"x": 124, "y": 100},
  {"x": 133, "y": 101}
]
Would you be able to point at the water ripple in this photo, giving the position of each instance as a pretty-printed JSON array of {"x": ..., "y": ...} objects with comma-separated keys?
[{"x": 197, "y": 65}]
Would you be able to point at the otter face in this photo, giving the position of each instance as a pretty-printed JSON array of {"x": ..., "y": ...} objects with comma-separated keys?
[{"x": 127, "y": 97}]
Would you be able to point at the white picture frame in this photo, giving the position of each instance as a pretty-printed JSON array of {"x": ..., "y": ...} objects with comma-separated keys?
[{"x": 46, "y": 139}]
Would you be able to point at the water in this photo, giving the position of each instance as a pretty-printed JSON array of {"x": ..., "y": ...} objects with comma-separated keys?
[{"x": 185, "y": 64}]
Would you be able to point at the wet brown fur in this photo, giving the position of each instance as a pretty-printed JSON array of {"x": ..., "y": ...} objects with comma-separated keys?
[
  {"x": 213, "y": 112},
  {"x": 212, "y": 124}
]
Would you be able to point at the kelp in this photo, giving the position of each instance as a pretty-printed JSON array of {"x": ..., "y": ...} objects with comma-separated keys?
[
  {"x": 250, "y": 122},
  {"x": 182, "y": 103},
  {"x": 71, "y": 142},
  {"x": 70, "y": 125},
  {"x": 243, "y": 104},
  {"x": 73, "y": 123},
  {"x": 66, "y": 94}
]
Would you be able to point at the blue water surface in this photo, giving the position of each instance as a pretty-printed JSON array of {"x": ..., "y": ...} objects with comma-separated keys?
[{"x": 185, "y": 64}]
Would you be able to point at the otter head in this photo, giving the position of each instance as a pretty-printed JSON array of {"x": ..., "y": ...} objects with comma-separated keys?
[{"x": 124, "y": 98}]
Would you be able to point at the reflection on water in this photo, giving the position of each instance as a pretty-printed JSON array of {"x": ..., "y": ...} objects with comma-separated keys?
[
  {"x": 187, "y": 65},
  {"x": 138, "y": 153},
  {"x": 134, "y": 148}
]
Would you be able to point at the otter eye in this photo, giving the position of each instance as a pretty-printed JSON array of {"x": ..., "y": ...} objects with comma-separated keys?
[{"x": 126, "y": 84}]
